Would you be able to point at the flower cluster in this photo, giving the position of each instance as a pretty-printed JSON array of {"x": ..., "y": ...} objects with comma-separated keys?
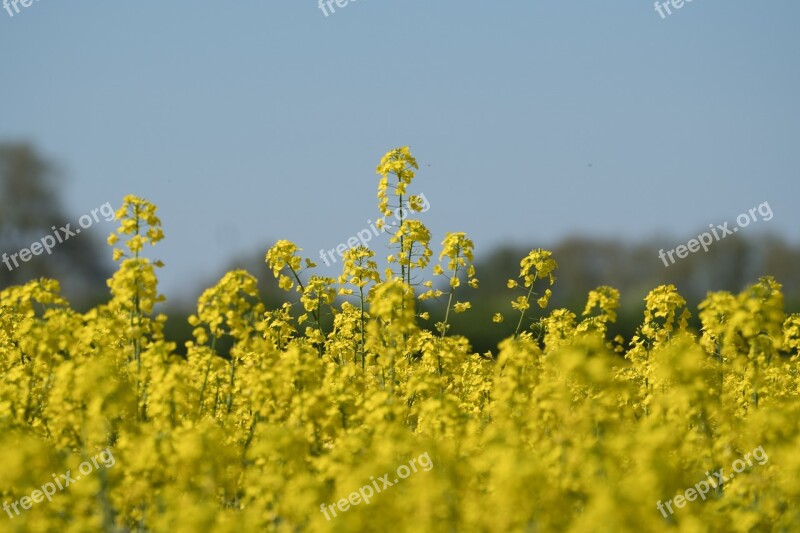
[{"x": 273, "y": 411}]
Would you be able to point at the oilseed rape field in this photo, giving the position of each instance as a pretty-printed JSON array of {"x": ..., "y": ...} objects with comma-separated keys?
[{"x": 342, "y": 411}]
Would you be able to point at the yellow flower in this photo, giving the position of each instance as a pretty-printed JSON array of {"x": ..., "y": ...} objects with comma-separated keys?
[
  {"x": 460, "y": 307},
  {"x": 267, "y": 416},
  {"x": 285, "y": 283},
  {"x": 544, "y": 299}
]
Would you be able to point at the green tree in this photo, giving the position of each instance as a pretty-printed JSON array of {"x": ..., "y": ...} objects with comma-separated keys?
[{"x": 29, "y": 207}]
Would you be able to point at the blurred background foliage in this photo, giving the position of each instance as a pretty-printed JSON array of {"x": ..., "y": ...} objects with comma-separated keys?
[{"x": 30, "y": 205}]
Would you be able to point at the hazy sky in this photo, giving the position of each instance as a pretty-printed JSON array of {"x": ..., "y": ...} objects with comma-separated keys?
[{"x": 246, "y": 122}]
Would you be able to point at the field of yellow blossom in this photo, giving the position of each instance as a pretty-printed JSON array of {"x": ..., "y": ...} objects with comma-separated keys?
[{"x": 103, "y": 427}]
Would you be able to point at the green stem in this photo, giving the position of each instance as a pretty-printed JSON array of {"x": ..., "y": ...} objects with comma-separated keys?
[
  {"x": 303, "y": 288},
  {"x": 449, "y": 302},
  {"x": 229, "y": 402},
  {"x": 522, "y": 312},
  {"x": 363, "y": 338}
]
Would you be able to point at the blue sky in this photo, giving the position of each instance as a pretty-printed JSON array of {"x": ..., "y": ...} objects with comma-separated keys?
[{"x": 246, "y": 122}]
